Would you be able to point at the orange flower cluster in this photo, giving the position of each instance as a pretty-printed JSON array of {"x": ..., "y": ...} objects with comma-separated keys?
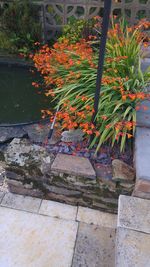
[
  {"x": 115, "y": 59},
  {"x": 136, "y": 96},
  {"x": 117, "y": 33},
  {"x": 75, "y": 64},
  {"x": 123, "y": 128},
  {"x": 35, "y": 84},
  {"x": 72, "y": 118},
  {"x": 65, "y": 55},
  {"x": 143, "y": 23}
]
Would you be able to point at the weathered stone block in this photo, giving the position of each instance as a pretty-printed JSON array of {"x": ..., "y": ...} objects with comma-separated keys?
[
  {"x": 39, "y": 133},
  {"x": 8, "y": 133},
  {"x": 22, "y": 190},
  {"x": 29, "y": 159},
  {"x": 122, "y": 171},
  {"x": 142, "y": 189},
  {"x": 77, "y": 166},
  {"x": 141, "y": 194},
  {"x": 62, "y": 191},
  {"x": 143, "y": 186}
]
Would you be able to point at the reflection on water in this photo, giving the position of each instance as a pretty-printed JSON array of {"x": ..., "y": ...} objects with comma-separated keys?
[{"x": 19, "y": 100}]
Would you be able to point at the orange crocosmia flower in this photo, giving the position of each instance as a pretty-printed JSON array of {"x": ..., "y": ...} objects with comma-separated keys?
[
  {"x": 37, "y": 43},
  {"x": 129, "y": 125},
  {"x": 92, "y": 126},
  {"x": 87, "y": 107},
  {"x": 129, "y": 136},
  {"x": 36, "y": 85},
  {"x": 132, "y": 96},
  {"x": 137, "y": 108},
  {"x": 71, "y": 62},
  {"x": 145, "y": 44},
  {"x": 97, "y": 133},
  {"x": 129, "y": 29},
  {"x": 140, "y": 95},
  {"x": 89, "y": 132},
  {"x": 117, "y": 137},
  {"x": 104, "y": 117},
  {"x": 84, "y": 98},
  {"x": 124, "y": 97},
  {"x": 72, "y": 109},
  {"x": 108, "y": 126}
]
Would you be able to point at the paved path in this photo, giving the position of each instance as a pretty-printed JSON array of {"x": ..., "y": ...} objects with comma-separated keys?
[{"x": 40, "y": 233}]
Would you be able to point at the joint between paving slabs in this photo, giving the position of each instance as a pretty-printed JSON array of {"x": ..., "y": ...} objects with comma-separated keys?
[
  {"x": 2, "y": 199},
  {"x": 77, "y": 213},
  {"x": 75, "y": 244},
  {"x": 40, "y": 206}
]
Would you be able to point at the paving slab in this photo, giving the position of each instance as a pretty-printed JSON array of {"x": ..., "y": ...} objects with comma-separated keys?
[
  {"x": 132, "y": 248},
  {"x": 32, "y": 240},
  {"x": 134, "y": 213},
  {"x": 59, "y": 210},
  {"x": 95, "y": 247},
  {"x": 96, "y": 217},
  {"x": 21, "y": 202},
  {"x": 142, "y": 153},
  {"x": 73, "y": 165}
]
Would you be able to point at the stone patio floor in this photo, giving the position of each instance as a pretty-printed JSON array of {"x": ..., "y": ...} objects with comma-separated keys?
[{"x": 41, "y": 233}]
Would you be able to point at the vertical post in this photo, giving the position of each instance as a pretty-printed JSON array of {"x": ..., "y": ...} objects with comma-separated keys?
[{"x": 105, "y": 25}]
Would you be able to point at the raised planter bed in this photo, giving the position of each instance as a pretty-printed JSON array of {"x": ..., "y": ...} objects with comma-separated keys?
[{"x": 35, "y": 169}]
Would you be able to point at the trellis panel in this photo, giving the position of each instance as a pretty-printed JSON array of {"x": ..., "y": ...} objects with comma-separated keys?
[{"x": 55, "y": 13}]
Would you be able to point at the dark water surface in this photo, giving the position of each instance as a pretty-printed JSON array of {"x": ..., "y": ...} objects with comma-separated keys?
[{"x": 19, "y": 100}]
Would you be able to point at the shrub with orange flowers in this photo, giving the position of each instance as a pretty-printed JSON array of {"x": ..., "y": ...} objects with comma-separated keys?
[{"x": 70, "y": 71}]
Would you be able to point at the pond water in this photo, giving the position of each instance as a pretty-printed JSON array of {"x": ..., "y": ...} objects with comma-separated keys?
[{"x": 20, "y": 102}]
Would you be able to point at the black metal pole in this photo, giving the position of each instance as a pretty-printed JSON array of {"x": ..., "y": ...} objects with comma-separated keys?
[{"x": 105, "y": 26}]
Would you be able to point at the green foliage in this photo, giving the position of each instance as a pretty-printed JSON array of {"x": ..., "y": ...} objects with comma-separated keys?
[
  {"x": 71, "y": 70},
  {"x": 19, "y": 21},
  {"x": 77, "y": 29},
  {"x": 5, "y": 43}
]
